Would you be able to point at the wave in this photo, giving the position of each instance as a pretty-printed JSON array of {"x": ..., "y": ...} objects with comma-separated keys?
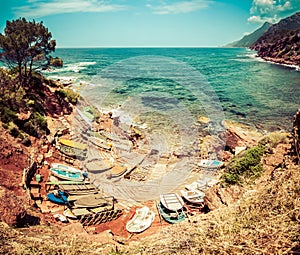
[{"x": 73, "y": 67}]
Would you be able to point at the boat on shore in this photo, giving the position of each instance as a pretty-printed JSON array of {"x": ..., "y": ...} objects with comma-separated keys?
[
  {"x": 102, "y": 144},
  {"x": 117, "y": 171},
  {"x": 171, "y": 201},
  {"x": 58, "y": 197},
  {"x": 193, "y": 196},
  {"x": 209, "y": 163},
  {"x": 72, "y": 148},
  {"x": 171, "y": 216},
  {"x": 94, "y": 200},
  {"x": 97, "y": 165},
  {"x": 141, "y": 220},
  {"x": 67, "y": 172}
]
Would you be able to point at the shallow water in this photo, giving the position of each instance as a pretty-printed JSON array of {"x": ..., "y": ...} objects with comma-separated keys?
[{"x": 180, "y": 82}]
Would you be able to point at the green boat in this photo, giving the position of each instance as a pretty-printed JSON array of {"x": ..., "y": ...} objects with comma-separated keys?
[{"x": 171, "y": 216}]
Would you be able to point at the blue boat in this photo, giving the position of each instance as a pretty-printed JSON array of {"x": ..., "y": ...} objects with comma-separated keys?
[
  {"x": 58, "y": 197},
  {"x": 171, "y": 216}
]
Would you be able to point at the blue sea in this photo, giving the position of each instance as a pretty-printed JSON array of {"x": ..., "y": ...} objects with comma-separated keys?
[{"x": 218, "y": 83}]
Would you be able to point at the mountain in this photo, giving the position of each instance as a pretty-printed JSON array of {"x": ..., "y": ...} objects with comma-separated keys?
[
  {"x": 250, "y": 39},
  {"x": 281, "y": 43}
]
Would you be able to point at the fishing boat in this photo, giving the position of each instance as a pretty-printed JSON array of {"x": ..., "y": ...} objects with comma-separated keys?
[
  {"x": 72, "y": 148},
  {"x": 171, "y": 216},
  {"x": 58, "y": 197},
  {"x": 100, "y": 143},
  {"x": 193, "y": 196},
  {"x": 171, "y": 201},
  {"x": 94, "y": 200},
  {"x": 208, "y": 163},
  {"x": 117, "y": 171},
  {"x": 67, "y": 172},
  {"x": 98, "y": 165},
  {"x": 141, "y": 220}
]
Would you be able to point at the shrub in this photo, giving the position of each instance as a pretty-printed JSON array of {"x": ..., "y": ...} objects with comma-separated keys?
[
  {"x": 246, "y": 167},
  {"x": 69, "y": 94},
  {"x": 275, "y": 138},
  {"x": 8, "y": 115}
]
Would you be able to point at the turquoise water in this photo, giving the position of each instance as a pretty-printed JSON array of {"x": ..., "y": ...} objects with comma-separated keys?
[{"x": 247, "y": 89}]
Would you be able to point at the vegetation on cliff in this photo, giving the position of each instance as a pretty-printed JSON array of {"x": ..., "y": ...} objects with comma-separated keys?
[
  {"x": 281, "y": 43},
  {"x": 245, "y": 167},
  {"x": 251, "y": 38},
  {"x": 26, "y": 45},
  {"x": 25, "y": 95}
]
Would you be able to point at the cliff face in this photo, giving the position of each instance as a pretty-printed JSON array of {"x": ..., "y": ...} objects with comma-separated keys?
[
  {"x": 248, "y": 40},
  {"x": 281, "y": 43}
]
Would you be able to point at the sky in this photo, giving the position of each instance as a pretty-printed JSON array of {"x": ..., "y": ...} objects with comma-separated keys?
[{"x": 147, "y": 23}]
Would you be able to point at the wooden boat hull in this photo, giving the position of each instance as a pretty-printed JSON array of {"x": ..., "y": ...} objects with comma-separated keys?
[
  {"x": 117, "y": 171},
  {"x": 94, "y": 200},
  {"x": 171, "y": 216},
  {"x": 141, "y": 220},
  {"x": 171, "y": 201}
]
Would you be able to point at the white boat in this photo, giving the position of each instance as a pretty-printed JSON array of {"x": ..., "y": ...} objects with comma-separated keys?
[
  {"x": 171, "y": 201},
  {"x": 66, "y": 172},
  {"x": 208, "y": 163},
  {"x": 201, "y": 184},
  {"x": 193, "y": 196},
  {"x": 141, "y": 220}
]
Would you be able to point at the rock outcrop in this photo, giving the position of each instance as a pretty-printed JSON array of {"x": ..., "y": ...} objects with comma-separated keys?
[
  {"x": 216, "y": 196},
  {"x": 280, "y": 43}
]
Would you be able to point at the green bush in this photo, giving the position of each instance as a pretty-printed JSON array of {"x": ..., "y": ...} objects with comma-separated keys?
[
  {"x": 36, "y": 125},
  {"x": 69, "y": 94},
  {"x": 40, "y": 120},
  {"x": 8, "y": 115},
  {"x": 244, "y": 168}
]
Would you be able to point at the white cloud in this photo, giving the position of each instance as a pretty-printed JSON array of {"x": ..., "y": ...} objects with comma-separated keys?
[
  {"x": 36, "y": 9},
  {"x": 180, "y": 7},
  {"x": 258, "y": 19},
  {"x": 272, "y": 10}
]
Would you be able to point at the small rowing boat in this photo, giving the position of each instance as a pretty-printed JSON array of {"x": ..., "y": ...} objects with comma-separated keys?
[
  {"x": 208, "y": 163},
  {"x": 171, "y": 216},
  {"x": 193, "y": 196},
  {"x": 66, "y": 172},
  {"x": 141, "y": 220},
  {"x": 171, "y": 201}
]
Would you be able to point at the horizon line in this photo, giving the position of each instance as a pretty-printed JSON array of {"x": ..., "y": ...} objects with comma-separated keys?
[{"x": 134, "y": 47}]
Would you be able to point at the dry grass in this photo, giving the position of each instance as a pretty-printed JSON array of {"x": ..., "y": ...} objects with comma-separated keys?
[
  {"x": 266, "y": 221},
  {"x": 47, "y": 241}
]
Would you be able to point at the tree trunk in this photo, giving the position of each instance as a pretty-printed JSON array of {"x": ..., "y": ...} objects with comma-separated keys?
[{"x": 20, "y": 73}]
